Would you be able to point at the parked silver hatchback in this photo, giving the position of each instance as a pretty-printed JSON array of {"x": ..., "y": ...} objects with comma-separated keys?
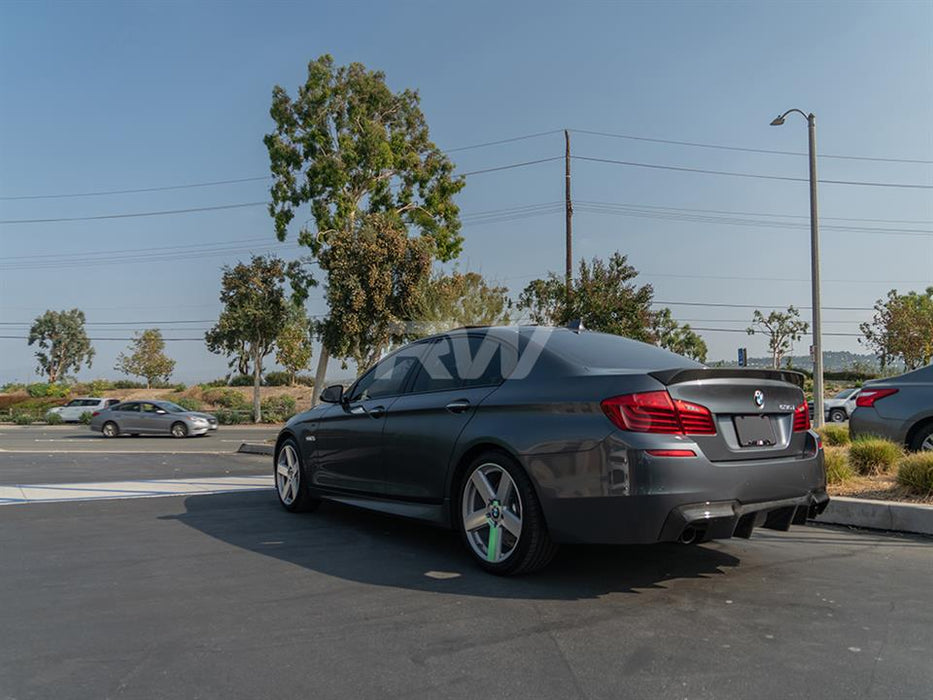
[{"x": 151, "y": 418}]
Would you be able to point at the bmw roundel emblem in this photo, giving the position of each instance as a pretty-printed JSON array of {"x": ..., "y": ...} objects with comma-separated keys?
[{"x": 759, "y": 398}]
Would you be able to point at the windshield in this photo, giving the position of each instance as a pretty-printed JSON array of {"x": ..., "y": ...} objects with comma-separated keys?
[
  {"x": 845, "y": 394},
  {"x": 171, "y": 407}
]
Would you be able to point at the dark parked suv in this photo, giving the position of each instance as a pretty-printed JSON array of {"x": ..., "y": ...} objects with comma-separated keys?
[{"x": 522, "y": 438}]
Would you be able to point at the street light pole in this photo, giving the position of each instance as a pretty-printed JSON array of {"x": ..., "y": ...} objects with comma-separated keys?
[{"x": 814, "y": 269}]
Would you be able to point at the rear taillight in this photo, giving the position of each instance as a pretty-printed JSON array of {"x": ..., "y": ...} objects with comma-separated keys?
[
  {"x": 671, "y": 453},
  {"x": 657, "y": 412},
  {"x": 867, "y": 397},
  {"x": 802, "y": 418}
]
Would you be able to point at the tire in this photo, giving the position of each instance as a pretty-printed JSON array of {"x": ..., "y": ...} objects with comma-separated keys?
[
  {"x": 923, "y": 440},
  {"x": 837, "y": 415},
  {"x": 179, "y": 430},
  {"x": 110, "y": 429},
  {"x": 483, "y": 500},
  {"x": 288, "y": 467}
]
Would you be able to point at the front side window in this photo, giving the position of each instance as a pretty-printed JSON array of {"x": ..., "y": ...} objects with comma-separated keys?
[
  {"x": 133, "y": 407},
  {"x": 388, "y": 377},
  {"x": 460, "y": 361}
]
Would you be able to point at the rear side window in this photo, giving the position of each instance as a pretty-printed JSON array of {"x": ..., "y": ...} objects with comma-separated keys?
[
  {"x": 602, "y": 350},
  {"x": 460, "y": 361},
  {"x": 128, "y": 407}
]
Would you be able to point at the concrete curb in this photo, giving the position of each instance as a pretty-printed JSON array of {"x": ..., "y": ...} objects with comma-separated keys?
[
  {"x": 256, "y": 448},
  {"x": 878, "y": 515}
]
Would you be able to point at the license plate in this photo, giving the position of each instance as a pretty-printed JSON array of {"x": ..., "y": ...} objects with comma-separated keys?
[{"x": 754, "y": 431}]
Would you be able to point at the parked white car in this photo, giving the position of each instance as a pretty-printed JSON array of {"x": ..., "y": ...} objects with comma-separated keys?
[
  {"x": 74, "y": 409},
  {"x": 837, "y": 409}
]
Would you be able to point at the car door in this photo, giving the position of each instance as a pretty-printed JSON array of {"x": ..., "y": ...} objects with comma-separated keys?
[
  {"x": 349, "y": 439},
  {"x": 128, "y": 417},
  {"x": 422, "y": 426},
  {"x": 72, "y": 410},
  {"x": 153, "y": 419}
]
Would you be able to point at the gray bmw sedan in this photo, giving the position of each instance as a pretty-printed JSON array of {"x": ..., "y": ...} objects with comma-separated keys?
[{"x": 522, "y": 438}]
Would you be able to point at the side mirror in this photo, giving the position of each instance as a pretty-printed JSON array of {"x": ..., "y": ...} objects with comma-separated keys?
[
  {"x": 161, "y": 412},
  {"x": 332, "y": 394}
]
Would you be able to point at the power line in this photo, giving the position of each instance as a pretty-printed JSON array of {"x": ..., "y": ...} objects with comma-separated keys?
[
  {"x": 655, "y": 166},
  {"x": 695, "y": 144},
  {"x": 512, "y": 165},
  {"x": 502, "y": 141},
  {"x": 163, "y": 188},
  {"x": 758, "y": 306},
  {"x": 134, "y": 214},
  {"x": 740, "y": 330}
]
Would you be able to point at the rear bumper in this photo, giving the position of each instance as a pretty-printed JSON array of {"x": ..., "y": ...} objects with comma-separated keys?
[
  {"x": 866, "y": 421},
  {"x": 617, "y": 495}
]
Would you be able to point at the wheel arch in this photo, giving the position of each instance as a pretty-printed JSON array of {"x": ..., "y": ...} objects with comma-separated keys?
[
  {"x": 284, "y": 435},
  {"x": 919, "y": 425},
  {"x": 455, "y": 474}
]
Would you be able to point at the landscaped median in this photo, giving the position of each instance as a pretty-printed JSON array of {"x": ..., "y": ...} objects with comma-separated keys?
[{"x": 875, "y": 484}]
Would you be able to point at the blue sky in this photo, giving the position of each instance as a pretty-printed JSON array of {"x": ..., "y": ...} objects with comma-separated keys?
[{"x": 97, "y": 97}]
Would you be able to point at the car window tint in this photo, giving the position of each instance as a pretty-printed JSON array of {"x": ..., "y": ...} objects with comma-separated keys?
[
  {"x": 479, "y": 360},
  {"x": 388, "y": 377},
  {"x": 603, "y": 350},
  {"x": 75, "y": 402},
  {"x": 438, "y": 370},
  {"x": 129, "y": 407},
  {"x": 91, "y": 402},
  {"x": 150, "y": 408}
]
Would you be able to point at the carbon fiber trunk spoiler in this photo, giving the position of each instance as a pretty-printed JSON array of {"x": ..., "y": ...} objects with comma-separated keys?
[{"x": 678, "y": 376}]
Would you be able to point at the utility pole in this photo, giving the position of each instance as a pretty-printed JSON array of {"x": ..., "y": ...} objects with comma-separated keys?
[
  {"x": 568, "y": 207},
  {"x": 814, "y": 268}
]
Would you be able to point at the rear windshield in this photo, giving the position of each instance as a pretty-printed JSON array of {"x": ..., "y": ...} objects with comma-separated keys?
[{"x": 605, "y": 351}]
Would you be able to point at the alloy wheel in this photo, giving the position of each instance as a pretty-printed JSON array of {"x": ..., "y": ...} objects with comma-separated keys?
[
  {"x": 179, "y": 430},
  {"x": 927, "y": 445},
  {"x": 287, "y": 475},
  {"x": 492, "y": 513}
]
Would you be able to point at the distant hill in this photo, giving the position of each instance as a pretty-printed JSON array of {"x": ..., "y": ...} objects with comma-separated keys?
[{"x": 833, "y": 361}]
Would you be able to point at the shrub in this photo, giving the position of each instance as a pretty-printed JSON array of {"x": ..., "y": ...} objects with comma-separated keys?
[
  {"x": 214, "y": 383},
  {"x": 85, "y": 417},
  {"x": 304, "y": 379},
  {"x": 228, "y": 398},
  {"x": 834, "y": 435},
  {"x": 241, "y": 380},
  {"x": 870, "y": 455},
  {"x": 838, "y": 469},
  {"x": 22, "y": 418},
  {"x": 41, "y": 389},
  {"x": 915, "y": 473},
  {"x": 278, "y": 379},
  {"x": 189, "y": 404},
  {"x": 13, "y": 387},
  {"x": 229, "y": 416},
  {"x": 53, "y": 419},
  {"x": 128, "y": 384},
  {"x": 278, "y": 409}
]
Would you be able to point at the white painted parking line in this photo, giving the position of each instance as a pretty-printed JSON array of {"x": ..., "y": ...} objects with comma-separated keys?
[{"x": 146, "y": 488}]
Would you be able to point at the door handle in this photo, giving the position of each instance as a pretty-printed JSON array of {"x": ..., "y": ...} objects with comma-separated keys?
[
  {"x": 377, "y": 411},
  {"x": 458, "y": 406}
]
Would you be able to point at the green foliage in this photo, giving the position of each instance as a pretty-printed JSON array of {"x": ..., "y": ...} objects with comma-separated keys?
[
  {"x": 834, "y": 435},
  {"x": 902, "y": 329},
  {"x": 188, "y": 403},
  {"x": 870, "y": 456},
  {"x": 350, "y": 147},
  {"x": 22, "y": 418},
  {"x": 255, "y": 309},
  {"x": 277, "y": 379},
  {"x": 838, "y": 469},
  {"x": 229, "y": 416},
  {"x": 41, "y": 389},
  {"x": 460, "y": 299},
  {"x": 278, "y": 409},
  {"x": 915, "y": 473},
  {"x": 63, "y": 344},
  {"x": 12, "y": 388},
  {"x": 128, "y": 384},
  {"x": 783, "y": 330},
  {"x": 376, "y": 279},
  {"x": 214, "y": 383},
  {"x": 85, "y": 417},
  {"x": 228, "y": 398},
  {"x": 293, "y": 344},
  {"x": 603, "y": 296},
  {"x": 676, "y": 338},
  {"x": 240, "y": 380},
  {"x": 54, "y": 419},
  {"x": 147, "y": 357},
  {"x": 304, "y": 380}
]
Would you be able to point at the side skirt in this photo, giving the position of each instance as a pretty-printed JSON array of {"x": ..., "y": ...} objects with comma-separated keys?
[{"x": 434, "y": 513}]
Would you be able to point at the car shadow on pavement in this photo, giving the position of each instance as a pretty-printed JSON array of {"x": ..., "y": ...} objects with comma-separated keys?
[{"x": 371, "y": 548}]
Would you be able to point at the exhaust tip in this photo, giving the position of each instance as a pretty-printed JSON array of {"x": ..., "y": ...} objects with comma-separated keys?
[{"x": 688, "y": 536}]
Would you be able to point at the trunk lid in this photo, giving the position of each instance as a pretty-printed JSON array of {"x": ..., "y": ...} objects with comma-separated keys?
[{"x": 753, "y": 410}]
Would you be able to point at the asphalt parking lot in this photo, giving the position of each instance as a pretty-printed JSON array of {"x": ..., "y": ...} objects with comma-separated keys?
[{"x": 229, "y": 596}]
